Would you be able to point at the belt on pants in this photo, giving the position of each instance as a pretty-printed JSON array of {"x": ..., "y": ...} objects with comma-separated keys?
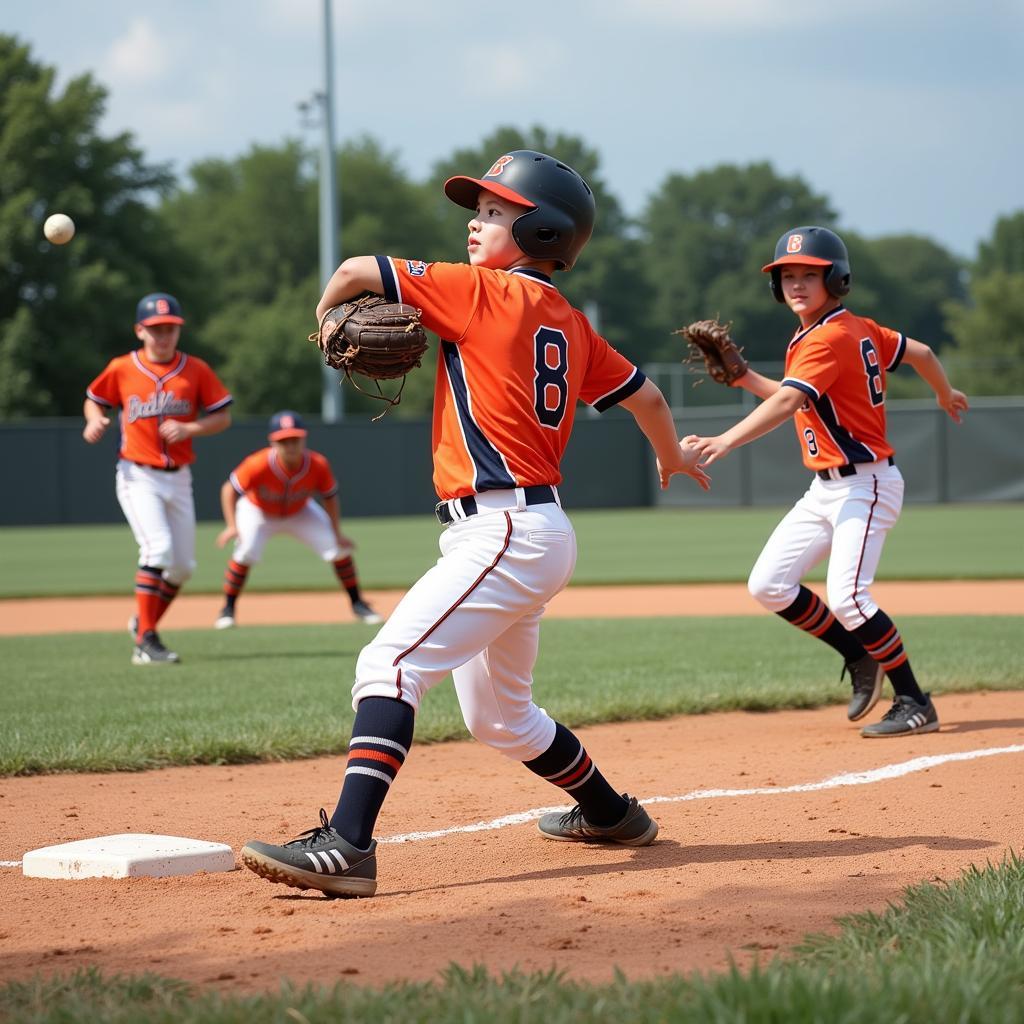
[
  {"x": 853, "y": 468},
  {"x": 542, "y": 494},
  {"x": 159, "y": 469}
]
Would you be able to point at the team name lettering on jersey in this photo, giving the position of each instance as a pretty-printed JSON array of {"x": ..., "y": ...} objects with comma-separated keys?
[
  {"x": 148, "y": 393},
  {"x": 163, "y": 404},
  {"x": 280, "y": 491}
]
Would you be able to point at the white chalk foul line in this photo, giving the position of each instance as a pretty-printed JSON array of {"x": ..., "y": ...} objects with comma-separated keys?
[
  {"x": 883, "y": 774},
  {"x": 886, "y": 772}
]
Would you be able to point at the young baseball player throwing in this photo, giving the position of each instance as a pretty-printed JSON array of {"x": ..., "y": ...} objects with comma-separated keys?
[
  {"x": 269, "y": 493},
  {"x": 515, "y": 357},
  {"x": 834, "y": 388},
  {"x": 160, "y": 392}
]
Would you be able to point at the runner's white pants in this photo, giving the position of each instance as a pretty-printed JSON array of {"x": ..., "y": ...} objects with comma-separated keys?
[
  {"x": 476, "y": 614},
  {"x": 311, "y": 525},
  {"x": 844, "y": 520},
  {"x": 162, "y": 514}
]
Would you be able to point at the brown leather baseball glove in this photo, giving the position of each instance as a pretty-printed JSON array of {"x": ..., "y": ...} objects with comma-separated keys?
[
  {"x": 709, "y": 343},
  {"x": 374, "y": 338}
]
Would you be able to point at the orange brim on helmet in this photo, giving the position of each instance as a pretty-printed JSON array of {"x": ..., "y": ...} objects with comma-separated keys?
[
  {"x": 465, "y": 191},
  {"x": 287, "y": 433},
  {"x": 152, "y": 321},
  {"x": 807, "y": 261}
]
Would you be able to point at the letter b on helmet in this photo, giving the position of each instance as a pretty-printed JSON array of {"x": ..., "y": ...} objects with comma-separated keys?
[
  {"x": 816, "y": 247},
  {"x": 561, "y": 209}
]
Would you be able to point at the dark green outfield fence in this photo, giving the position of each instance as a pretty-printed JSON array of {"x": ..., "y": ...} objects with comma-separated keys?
[{"x": 52, "y": 476}]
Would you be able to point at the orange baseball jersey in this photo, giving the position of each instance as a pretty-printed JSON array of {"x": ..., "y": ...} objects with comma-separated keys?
[
  {"x": 280, "y": 492},
  {"x": 515, "y": 358},
  {"x": 149, "y": 393},
  {"x": 840, "y": 363}
]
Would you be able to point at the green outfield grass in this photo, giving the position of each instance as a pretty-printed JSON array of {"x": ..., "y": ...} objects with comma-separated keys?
[
  {"x": 73, "y": 702},
  {"x": 948, "y": 954},
  {"x": 616, "y": 546}
]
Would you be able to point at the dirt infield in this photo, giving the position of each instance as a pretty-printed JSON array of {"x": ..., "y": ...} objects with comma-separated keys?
[
  {"x": 772, "y": 825},
  {"x": 95, "y": 614},
  {"x": 741, "y": 873}
]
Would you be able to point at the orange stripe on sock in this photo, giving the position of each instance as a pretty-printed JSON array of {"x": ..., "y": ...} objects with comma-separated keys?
[
  {"x": 883, "y": 642},
  {"x": 824, "y": 627},
  {"x": 578, "y": 774},
  {"x": 809, "y": 614},
  {"x": 363, "y": 754}
]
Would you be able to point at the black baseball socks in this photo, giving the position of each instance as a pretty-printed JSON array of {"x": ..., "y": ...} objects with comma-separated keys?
[
  {"x": 809, "y": 613},
  {"x": 566, "y": 764},
  {"x": 381, "y": 738},
  {"x": 882, "y": 640}
]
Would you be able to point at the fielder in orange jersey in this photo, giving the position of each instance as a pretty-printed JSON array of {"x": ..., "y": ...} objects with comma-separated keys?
[
  {"x": 269, "y": 493},
  {"x": 515, "y": 359},
  {"x": 160, "y": 392},
  {"x": 837, "y": 365}
]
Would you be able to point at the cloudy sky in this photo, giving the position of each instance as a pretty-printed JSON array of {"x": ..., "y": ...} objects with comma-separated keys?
[{"x": 908, "y": 117}]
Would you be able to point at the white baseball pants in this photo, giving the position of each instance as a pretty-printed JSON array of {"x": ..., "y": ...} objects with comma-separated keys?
[
  {"x": 160, "y": 510},
  {"x": 476, "y": 614},
  {"x": 311, "y": 525},
  {"x": 845, "y": 520}
]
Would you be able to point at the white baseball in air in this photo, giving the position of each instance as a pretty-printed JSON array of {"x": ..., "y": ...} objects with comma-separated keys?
[{"x": 59, "y": 228}]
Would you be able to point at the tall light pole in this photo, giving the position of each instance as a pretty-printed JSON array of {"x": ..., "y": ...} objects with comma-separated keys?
[{"x": 332, "y": 406}]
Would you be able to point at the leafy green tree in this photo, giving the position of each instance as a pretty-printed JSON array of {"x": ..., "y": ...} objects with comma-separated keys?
[
  {"x": 989, "y": 355},
  {"x": 65, "y": 310},
  {"x": 250, "y": 224},
  {"x": 1005, "y": 251},
  {"x": 253, "y": 224},
  {"x": 909, "y": 280},
  {"x": 706, "y": 237}
]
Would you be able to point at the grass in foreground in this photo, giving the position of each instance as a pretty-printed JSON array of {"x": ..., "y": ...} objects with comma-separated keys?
[
  {"x": 950, "y": 953},
  {"x": 73, "y": 702},
  {"x": 617, "y": 546}
]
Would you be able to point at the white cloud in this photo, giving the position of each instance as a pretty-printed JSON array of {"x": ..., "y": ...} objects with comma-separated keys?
[{"x": 141, "y": 55}]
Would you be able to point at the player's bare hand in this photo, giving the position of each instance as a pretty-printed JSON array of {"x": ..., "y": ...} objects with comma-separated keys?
[
  {"x": 225, "y": 535},
  {"x": 955, "y": 404},
  {"x": 95, "y": 429},
  {"x": 345, "y": 542},
  {"x": 685, "y": 464},
  {"x": 709, "y": 449},
  {"x": 173, "y": 430}
]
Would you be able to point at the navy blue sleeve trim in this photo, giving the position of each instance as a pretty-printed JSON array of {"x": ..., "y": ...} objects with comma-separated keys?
[
  {"x": 901, "y": 351},
  {"x": 801, "y": 386},
  {"x": 631, "y": 387},
  {"x": 387, "y": 276}
]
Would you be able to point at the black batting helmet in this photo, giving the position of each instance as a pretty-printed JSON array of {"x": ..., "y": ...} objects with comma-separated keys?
[
  {"x": 158, "y": 308},
  {"x": 817, "y": 247},
  {"x": 560, "y": 220}
]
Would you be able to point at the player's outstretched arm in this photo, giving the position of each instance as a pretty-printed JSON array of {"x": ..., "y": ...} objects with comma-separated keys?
[
  {"x": 96, "y": 421},
  {"x": 356, "y": 275},
  {"x": 772, "y": 412},
  {"x": 927, "y": 366},
  {"x": 654, "y": 418},
  {"x": 757, "y": 384}
]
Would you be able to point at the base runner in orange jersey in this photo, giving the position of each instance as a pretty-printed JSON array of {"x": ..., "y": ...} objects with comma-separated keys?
[
  {"x": 515, "y": 358},
  {"x": 269, "y": 493},
  {"x": 834, "y": 388},
  {"x": 161, "y": 393}
]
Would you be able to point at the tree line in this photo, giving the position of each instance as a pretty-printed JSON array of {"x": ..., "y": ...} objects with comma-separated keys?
[{"x": 236, "y": 241}]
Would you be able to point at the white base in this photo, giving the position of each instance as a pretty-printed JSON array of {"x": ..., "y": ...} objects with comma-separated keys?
[{"x": 128, "y": 856}]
